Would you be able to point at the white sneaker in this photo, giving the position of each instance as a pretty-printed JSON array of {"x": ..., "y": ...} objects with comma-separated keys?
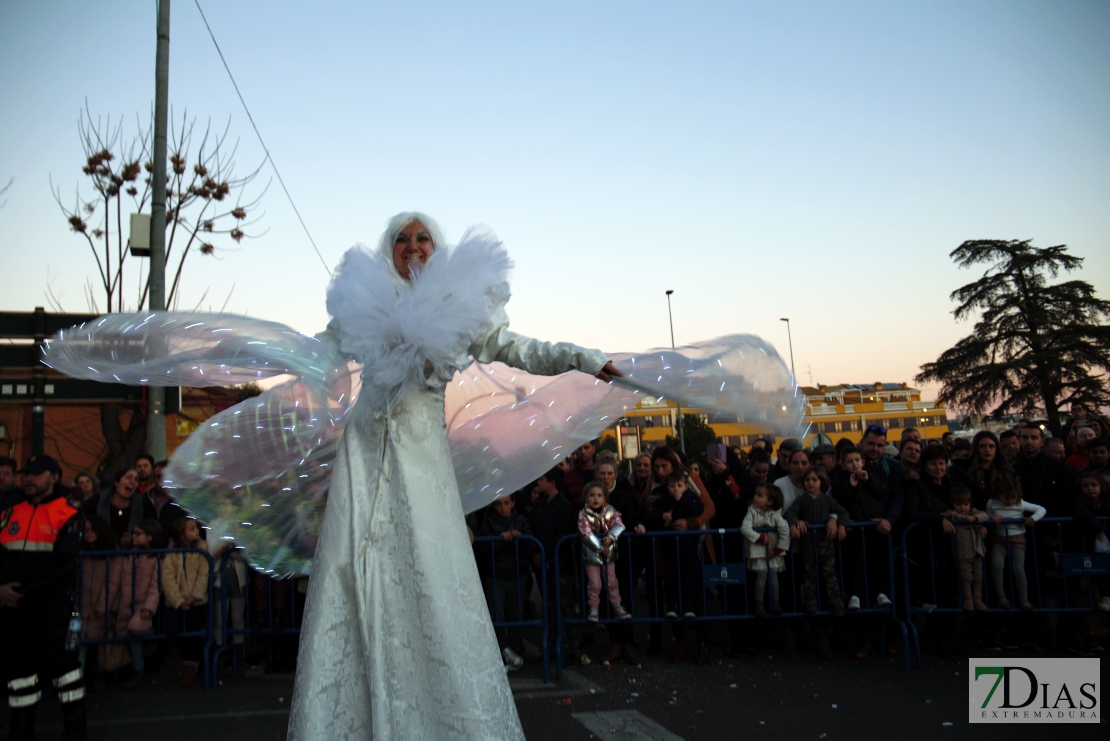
[
  {"x": 882, "y": 600},
  {"x": 513, "y": 660},
  {"x": 1104, "y": 604},
  {"x": 853, "y": 602}
]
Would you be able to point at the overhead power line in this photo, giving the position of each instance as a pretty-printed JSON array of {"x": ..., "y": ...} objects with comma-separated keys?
[{"x": 260, "y": 141}]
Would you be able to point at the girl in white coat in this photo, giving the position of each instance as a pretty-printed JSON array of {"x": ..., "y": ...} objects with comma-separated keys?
[{"x": 763, "y": 551}]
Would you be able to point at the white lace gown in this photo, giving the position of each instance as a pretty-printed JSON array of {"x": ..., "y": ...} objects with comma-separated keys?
[{"x": 397, "y": 641}]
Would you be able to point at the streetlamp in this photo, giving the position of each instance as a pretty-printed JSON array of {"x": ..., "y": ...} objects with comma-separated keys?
[
  {"x": 670, "y": 318},
  {"x": 793, "y": 376}
]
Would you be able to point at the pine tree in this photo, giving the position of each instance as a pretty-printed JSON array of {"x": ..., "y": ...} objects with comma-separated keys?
[{"x": 1036, "y": 346}]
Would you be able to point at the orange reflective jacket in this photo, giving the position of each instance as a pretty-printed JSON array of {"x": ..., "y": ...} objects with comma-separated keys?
[{"x": 27, "y": 527}]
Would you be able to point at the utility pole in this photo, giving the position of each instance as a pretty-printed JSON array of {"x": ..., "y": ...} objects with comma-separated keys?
[
  {"x": 670, "y": 318},
  {"x": 793, "y": 376},
  {"x": 156, "y": 395}
]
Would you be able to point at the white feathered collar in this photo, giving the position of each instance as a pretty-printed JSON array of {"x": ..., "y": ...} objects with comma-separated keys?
[{"x": 417, "y": 335}]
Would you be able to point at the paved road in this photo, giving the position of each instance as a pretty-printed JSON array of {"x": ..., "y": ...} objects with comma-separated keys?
[{"x": 765, "y": 696}]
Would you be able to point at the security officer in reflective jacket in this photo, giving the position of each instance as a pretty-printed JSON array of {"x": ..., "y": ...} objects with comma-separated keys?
[{"x": 39, "y": 542}]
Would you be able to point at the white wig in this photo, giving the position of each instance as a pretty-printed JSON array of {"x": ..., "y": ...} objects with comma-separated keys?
[{"x": 399, "y": 222}]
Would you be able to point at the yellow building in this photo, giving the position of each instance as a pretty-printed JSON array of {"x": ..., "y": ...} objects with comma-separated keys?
[
  {"x": 835, "y": 411},
  {"x": 846, "y": 411}
]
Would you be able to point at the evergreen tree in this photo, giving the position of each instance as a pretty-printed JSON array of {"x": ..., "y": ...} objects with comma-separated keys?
[{"x": 1036, "y": 346}]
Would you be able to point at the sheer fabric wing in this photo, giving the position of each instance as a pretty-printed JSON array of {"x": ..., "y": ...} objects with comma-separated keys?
[
  {"x": 507, "y": 427},
  {"x": 258, "y": 472}
]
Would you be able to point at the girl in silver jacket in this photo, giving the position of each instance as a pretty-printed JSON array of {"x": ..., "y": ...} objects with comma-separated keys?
[{"x": 600, "y": 525}]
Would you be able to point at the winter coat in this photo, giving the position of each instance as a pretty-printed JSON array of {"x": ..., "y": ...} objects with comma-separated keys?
[
  {"x": 758, "y": 555},
  {"x": 593, "y": 526},
  {"x": 865, "y": 501},
  {"x": 505, "y": 561},
  {"x": 816, "y": 510},
  {"x": 660, "y": 501},
  {"x": 1047, "y": 482},
  {"x": 623, "y": 500},
  {"x": 95, "y": 600},
  {"x": 1020, "y": 509},
  {"x": 969, "y": 541},
  {"x": 179, "y": 582},
  {"x": 144, "y": 576},
  {"x": 551, "y": 520}
]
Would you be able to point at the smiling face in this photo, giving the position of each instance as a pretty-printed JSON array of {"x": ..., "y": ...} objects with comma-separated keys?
[
  {"x": 412, "y": 247},
  {"x": 1084, "y": 436},
  {"x": 853, "y": 462},
  {"x": 911, "y": 452},
  {"x": 799, "y": 462},
  {"x": 759, "y": 472},
  {"x": 936, "y": 468}
]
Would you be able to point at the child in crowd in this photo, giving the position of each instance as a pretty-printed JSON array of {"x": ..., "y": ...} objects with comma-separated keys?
[
  {"x": 95, "y": 614},
  {"x": 681, "y": 501},
  {"x": 185, "y": 582},
  {"x": 134, "y": 593},
  {"x": 1008, "y": 504},
  {"x": 1094, "y": 502},
  {"x": 763, "y": 551},
  {"x": 510, "y": 582},
  {"x": 969, "y": 545},
  {"x": 600, "y": 526},
  {"x": 816, "y": 506},
  {"x": 864, "y": 497}
]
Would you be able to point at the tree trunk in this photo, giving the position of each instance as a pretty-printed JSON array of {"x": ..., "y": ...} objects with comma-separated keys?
[{"x": 124, "y": 445}]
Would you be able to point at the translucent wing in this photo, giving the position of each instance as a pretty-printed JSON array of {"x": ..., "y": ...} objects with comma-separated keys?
[
  {"x": 258, "y": 472},
  {"x": 507, "y": 427}
]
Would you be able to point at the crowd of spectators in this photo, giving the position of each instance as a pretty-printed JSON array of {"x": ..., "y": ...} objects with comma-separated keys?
[
  {"x": 959, "y": 513},
  {"x": 798, "y": 518}
]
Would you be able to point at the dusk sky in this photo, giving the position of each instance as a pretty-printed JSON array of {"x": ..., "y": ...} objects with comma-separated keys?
[{"x": 807, "y": 160}]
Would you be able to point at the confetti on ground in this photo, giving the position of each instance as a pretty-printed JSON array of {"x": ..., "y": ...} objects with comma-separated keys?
[{"x": 946, "y": 723}]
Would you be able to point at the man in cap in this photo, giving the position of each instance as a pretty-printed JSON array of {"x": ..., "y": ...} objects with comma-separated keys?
[{"x": 39, "y": 542}]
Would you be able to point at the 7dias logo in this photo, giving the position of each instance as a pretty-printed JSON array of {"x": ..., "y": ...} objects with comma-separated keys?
[{"x": 1033, "y": 691}]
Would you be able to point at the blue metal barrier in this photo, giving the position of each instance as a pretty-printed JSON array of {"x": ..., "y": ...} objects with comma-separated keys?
[
  {"x": 159, "y": 632},
  {"x": 1073, "y": 565},
  {"x": 494, "y": 541},
  {"x": 652, "y": 575},
  {"x": 270, "y": 627},
  {"x": 280, "y": 628}
]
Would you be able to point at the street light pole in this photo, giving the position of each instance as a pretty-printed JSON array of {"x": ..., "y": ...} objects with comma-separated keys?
[
  {"x": 793, "y": 376},
  {"x": 670, "y": 318},
  {"x": 156, "y": 395}
]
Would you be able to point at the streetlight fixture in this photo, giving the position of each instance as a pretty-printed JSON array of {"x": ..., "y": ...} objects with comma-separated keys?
[
  {"x": 670, "y": 318},
  {"x": 793, "y": 376}
]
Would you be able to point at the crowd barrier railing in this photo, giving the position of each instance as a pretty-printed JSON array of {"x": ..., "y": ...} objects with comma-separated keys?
[
  {"x": 85, "y": 565},
  {"x": 283, "y": 615},
  {"x": 731, "y": 570},
  {"x": 925, "y": 589},
  {"x": 488, "y": 570}
]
